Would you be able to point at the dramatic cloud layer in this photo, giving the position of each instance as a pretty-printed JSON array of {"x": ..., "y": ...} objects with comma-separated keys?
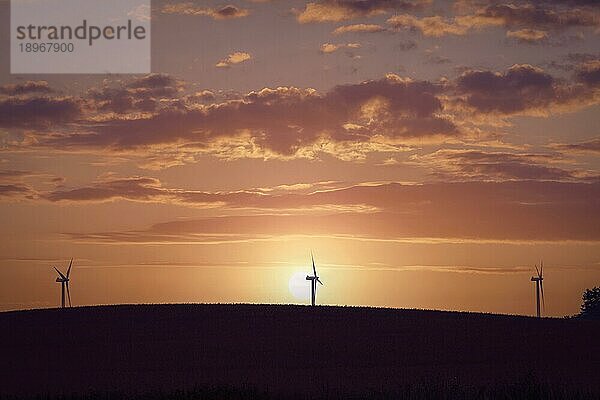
[
  {"x": 157, "y": 116},
  {"x": 287, "y": 122}
]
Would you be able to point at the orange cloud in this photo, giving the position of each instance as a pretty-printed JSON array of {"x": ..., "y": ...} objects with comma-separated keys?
[
  {"x": 328, "y": 48},
  {"x": 226, "y": 12},
  {"x": 343, "y": 10},
  {"x": 233, "y": 59},
  {"x": 528, "y": 35},
  {"x": 359, "y": 28}
]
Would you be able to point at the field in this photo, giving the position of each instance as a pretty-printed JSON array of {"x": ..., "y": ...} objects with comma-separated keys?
[{"x": 272, "y": 351}]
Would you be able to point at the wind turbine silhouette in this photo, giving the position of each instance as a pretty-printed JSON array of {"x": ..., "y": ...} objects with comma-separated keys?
[
  {"x": 539, "y": 287},
  {"x": 64, "y": 282},
  {"x": 313, "y": 281}
]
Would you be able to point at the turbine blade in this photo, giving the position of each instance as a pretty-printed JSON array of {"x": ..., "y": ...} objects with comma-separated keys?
[
  {"x": 541, "y": 269},
  {"x": 318, "y": 280},
  {"x": 313, "y": 262},
  {"x": 68, "y": 294},
  {"x": 542, "y": 290},
  {"x": 60, "y": 273},
  {"x": 537, "y": 270},
  {"x": 69, "y": 270}
]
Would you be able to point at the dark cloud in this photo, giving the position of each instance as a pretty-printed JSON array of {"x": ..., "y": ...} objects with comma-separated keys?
[
  {"x": 136, "y": 188},
  {"x": 25, "y": 88},
  {"x": 152, "y": 115},
  {"x": 285, "y": 121},
  {"x": 154, "y": 81},
  {"x": 140, "y": 94},
  {"x": 14, "y": 190},
  {"x": 521, "y": 89},
  {"x": 230, "y": 12},
  {"x": 42, "y": 112},
  {"x": 12, "y": 185},
  {"x": 535, "y": 16},
  {"x": 589, "y": 73}
]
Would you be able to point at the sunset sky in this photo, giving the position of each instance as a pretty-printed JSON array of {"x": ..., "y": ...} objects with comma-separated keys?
[{"x": 429, "y": 153}]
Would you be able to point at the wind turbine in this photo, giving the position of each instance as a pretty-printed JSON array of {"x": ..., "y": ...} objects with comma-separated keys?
[
  {"x": 313, "y": 281},
  {"x": 539, "y": 287},
  {"x": 64, "y": 282}
]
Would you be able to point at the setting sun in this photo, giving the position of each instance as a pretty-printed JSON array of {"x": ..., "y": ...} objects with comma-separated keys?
[{"x": 299, "y": 287}]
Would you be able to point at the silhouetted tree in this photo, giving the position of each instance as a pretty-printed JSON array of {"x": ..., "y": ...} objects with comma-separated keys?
[{"x": 591, "y": 303}]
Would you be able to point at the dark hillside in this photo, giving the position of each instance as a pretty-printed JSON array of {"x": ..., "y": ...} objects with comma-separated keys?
[{"x": 287, "y": 350}]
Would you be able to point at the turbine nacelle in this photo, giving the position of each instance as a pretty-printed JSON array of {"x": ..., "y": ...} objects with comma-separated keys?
[
  {"x": 64, "y": 284},
  {"x": 539, "y": 287}
]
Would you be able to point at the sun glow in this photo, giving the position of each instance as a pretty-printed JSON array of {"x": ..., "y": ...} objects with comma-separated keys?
[{"x": 299, "y": 287}]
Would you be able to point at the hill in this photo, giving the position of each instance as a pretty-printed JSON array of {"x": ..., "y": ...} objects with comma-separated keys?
[{"x": 232, "y": 351}]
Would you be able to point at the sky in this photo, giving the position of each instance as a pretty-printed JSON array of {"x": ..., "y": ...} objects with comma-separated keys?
[{"x": 428, "y": 153}]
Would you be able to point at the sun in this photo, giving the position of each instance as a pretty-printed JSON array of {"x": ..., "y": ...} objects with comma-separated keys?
[{"x": 299, "y": 287}]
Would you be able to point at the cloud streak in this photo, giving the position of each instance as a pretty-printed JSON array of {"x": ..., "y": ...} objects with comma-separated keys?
[{"x": 524, "y": 210}]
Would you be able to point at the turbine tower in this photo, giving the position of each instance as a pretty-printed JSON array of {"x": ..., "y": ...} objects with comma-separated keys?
[
  {"x": 64, "y": 283},
  {"x": 539, "y": 287},
  {"x": 313, "y": 281}
]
